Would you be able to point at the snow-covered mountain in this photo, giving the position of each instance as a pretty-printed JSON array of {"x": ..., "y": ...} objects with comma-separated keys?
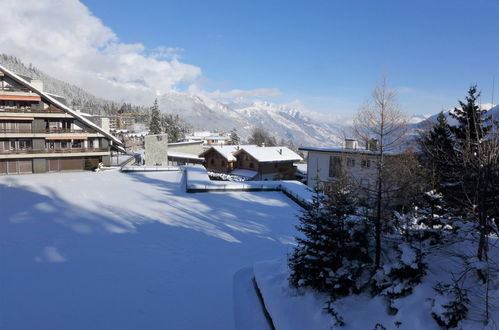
[{"x": 283, "y": 121}]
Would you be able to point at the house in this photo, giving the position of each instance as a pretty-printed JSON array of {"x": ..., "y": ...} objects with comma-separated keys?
[
  {"x": 267, "y": 163},
  {"x": 325, "y": 165},
  {"x": 39, "y": 133},
  {"x": 221, "y": 159},
  {"x": 208, "y": 138}
]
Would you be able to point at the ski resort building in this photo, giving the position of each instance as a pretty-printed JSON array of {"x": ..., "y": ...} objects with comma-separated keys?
[{"x": 39, "y": 133}]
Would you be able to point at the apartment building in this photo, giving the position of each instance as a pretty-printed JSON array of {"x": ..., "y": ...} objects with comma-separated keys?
[{"x": 38, "y": 133}]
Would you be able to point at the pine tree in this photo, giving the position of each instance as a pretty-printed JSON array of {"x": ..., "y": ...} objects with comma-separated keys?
[
  {"x": 438, "y": 154},
  {"x": 155, "y": 124},
  {"x": 333, "y": 255},
  {"x": 234, "y": 138}
]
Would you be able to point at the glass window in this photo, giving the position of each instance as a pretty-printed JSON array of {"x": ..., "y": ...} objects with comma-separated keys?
[
  {"x": 334, "y": 166},
  {"x": 350, "y": 162},
  {"x": 76, "y": 144}
]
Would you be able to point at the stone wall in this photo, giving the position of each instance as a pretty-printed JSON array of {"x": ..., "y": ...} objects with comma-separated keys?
[{"x": 156, "y": 152}]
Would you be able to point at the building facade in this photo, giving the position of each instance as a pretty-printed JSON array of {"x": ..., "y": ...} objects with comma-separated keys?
[
  {"x": 326, "y": 165},
  {"x": 268, "y": 163},
  {"x": 38, "y": 133}
]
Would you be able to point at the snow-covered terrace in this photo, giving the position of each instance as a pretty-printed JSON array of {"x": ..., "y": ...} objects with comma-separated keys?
[{"x": 113, "y": 250}]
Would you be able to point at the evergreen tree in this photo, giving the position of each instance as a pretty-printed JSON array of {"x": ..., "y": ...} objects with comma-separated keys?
[
  {"x": 155, "y": 124},
  {"x": 438, "y": 154},
  {"x": 234, "y": 138},
  {"x": 333, "y": 255},
  {"x": 473, "y": 124}
]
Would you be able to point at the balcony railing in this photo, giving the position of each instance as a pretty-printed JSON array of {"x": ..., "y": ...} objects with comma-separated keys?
[
  {"x": 9, "y": 88},
  {"x": 20, "y": 109},
  {"x": 50, "y": 150},
  {"x": 44, "y": 131}
]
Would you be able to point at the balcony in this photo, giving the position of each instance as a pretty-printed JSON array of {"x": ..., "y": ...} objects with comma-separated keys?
[
  {"x": 51, "y": 151},
  {"x": 8, "y": 88},
  {"x": 27, "y": 109},
  {"x": 45, "y": 131}
]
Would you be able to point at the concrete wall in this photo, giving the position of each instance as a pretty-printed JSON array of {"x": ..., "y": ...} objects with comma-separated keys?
[
  {"x": 39, "y": 165},
  {"x": 156, "y": 151},
  {"x": 194, "y": 148}
]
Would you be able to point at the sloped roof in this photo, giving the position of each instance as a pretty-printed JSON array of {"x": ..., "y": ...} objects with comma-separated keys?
[
  {"x": 60, "y": 105},
  {"x": 227, "y": 151},
  {"x": 271, "y": 154}
]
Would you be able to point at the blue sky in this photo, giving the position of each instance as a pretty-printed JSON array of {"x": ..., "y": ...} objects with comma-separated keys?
[{"x": 328, "y": 55}]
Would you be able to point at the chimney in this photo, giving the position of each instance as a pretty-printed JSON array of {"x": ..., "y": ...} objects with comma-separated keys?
[
  {"x": 37, "y": 84},
  {"x": 351, "y": 144},
  {"x": 372, "y": 145},
  {"x": 104, "y": 124},
  {"x": 280, "y": 151}
]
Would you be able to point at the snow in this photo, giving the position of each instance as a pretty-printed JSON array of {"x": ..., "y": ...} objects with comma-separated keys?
[
  {"x": 197, "y": 179},
  {"x": 295, "y": 309},
  {"x": 227, "y": 151},
  {"x": 113, "y": 250},
  {"x": 244, "y": 173},
  {"x": 272, "y": 154},
  {"x": 185, "y": 155}
]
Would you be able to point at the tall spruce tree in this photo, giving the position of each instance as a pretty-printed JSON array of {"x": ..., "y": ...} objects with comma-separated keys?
[
  {"x": 333, "y": 254},
  {"x": 438, "y": 154},
  {"x": 469, "y": 170},
  {"x": 234, "y": 138},
  {"x": 155, "y": 123}
]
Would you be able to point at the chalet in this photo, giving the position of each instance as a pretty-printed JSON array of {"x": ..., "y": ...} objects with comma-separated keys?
[
  {"x": 325, "y": 165},
  {"x": 267, "y": 163},
  {"x": 39, "y": 133},
  {"x": 221, "y": 158}
]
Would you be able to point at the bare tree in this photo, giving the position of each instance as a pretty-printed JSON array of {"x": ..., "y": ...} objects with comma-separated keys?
[{"x": 382, "y": 126}]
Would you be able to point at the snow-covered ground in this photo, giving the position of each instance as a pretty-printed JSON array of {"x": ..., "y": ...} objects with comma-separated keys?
[{"x": 111, "y": 250}]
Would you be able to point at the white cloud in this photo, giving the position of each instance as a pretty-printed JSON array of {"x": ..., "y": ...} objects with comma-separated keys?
[
  {"x": 236, "y": 93},
  {"x": 64, "y": 39}
]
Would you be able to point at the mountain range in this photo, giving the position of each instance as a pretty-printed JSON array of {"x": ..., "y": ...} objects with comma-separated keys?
[{"x": 285, "y": 122}]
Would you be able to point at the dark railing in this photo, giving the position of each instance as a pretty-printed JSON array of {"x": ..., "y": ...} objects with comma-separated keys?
[
  {"x": 19, "y": 109},
  {"x": 49, "y": 150},
  {"x": 44, "y": 130},
  {"x": 14, "y": 89}
]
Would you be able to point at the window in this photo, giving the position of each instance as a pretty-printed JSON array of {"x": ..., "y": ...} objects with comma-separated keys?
[
  {"x": 64, "y": 144},
  {"x": 223, "y": 162},
  {"x": 212, "y": 161},
  {"x": 12, "y": 145},
  {"x": 350, "y": 162},
  {"x": 251, "y": 165},
  {"x": 24, "y": 144},
  {"x": 365, "y": 163},
  {"x": 334, "y": 166},
  {"x": 76, "y": 144}
]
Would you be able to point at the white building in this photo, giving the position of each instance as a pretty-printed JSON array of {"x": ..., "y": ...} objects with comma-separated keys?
[
  {"x": 208, "y": 138},
  {"x": 326, "y": 165}
]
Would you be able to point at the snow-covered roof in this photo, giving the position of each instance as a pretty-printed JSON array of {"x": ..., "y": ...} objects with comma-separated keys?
[
  {"x": 271, "y": 154},
  {"x": 184, "y": 155},
  {"x": 342, "y": 149},
  {"x": 227, "y": 151},
  {"x": 50, "y": 99},
  {"x": 248, "y": 174}
]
